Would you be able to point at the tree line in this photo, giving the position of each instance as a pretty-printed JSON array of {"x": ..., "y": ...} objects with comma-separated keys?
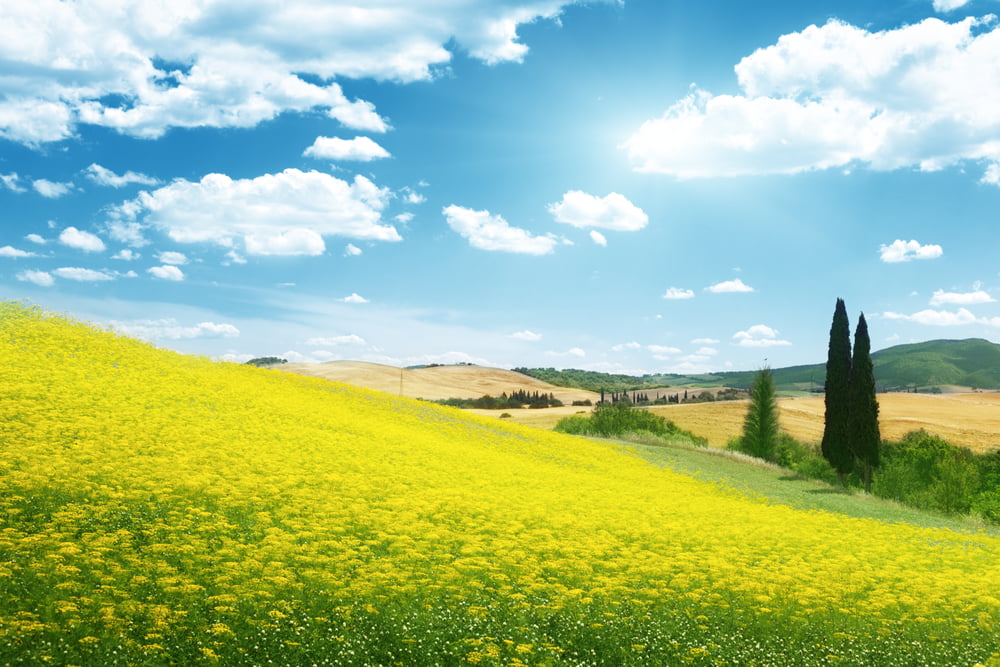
[{"x": 514, "y": 400}]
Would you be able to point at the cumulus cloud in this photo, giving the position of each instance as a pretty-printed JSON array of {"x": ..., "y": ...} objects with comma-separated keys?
[
  {"x": 598, "y": 238},
  {"x": 126, "y": 255},
  {"x": 359, "y": 149},
  {"x": 40, "y": 278},
  {"x": 172, "y": 257},
  {"x": 627, "y": 346},
  {"x": 527, "y": 335},
  {"x": 351, "y": 250},
  {"x": 705, "y": 341},
  {"x": 332, "y": 341},
  {"x": 171, "y": 329},
  {"x": 904, "y": 251},
  {"x": 944, "y": 318},
  {"x": 677, "y": 293},
  {"x": 104, "y": 176},
  {"x": 83, "y": 275},
  {"x": 15, "y": 253},
  {"x": 230, "y": 63},
  {"x": 287, "y": 213},
  {"x": 492, "y": 232},
  {"x": 354, "y": 298},
  {"x": 85, "y": 241},
  {"x": 941, "y": 297},
  {"x": 51, "y": 189},
  {"x": 729, "y": 286},
  {"x": 919, "y": 96},
  {"x": 759, "y": 335},
  {"x": 166, "y": 272},
  {"x": 35, "y": 238},
  {"x": 662, "y": 351},
  {"x": 584, "y": 210}
]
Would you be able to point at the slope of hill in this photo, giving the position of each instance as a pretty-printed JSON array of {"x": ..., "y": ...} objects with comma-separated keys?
[
  {"x": 434, "y": 382},
  {"x": 161, "y": 509}
]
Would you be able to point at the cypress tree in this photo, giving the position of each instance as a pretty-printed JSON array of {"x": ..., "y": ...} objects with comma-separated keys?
[
  {"x": 865, "y": 436},
  {"x": 836, "y": 429},
  {"x": 760, "y": 426}
]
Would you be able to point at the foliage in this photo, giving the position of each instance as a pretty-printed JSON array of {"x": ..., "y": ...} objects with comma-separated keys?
[
  {"x": 864, "y": 432},
  {"x": 267, "y": 361},
  {"x": 609, "y": 420},
  {"x": 760, "y": 427},
  {"x": 926, "y": 472},
  {"x": 516, "y": 399},
  {"x": 836, "y": 429},
  {"x": 161, "y": 509}
]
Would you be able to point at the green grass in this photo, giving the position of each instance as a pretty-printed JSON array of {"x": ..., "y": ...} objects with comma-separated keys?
[{"x": 777, "y": 485}]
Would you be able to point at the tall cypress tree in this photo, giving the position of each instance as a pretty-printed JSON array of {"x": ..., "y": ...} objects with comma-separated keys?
[
  {"x": 865, "y": 436},
  {"x": 837, "y": 430}
]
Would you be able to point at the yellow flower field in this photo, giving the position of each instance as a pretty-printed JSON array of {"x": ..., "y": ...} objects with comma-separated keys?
[{"x": 162, "y": 509}]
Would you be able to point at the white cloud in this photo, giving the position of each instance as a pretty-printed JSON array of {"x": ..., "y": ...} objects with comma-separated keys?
[
  {"x": 83, "y": 275},
  {"x": 572, "y": 352},
  {"x": 11, "y": 182},
  {"x": 350, "y": 339},
  {"x": 404, "y": 218},
  {"x": 919, "y": 96},
  {"x": 14, "y": 253},
  {"x": 351, "y": 250},
  {"x": 359, "y": 149},
  {"x": 613, "y": 212},
  {"x": 40, "y": 278},
  {"x": 103, "y": 176},
  {"x": 627, "y": 346},
  {"x": 707, "y": 351},
  {"x": 85, "y": 241},
  {"x": 530, "y": 336},
  {"x": 949, "y": 5},
  {"x": 677, "y": 293},
  {"x": 492, "y": 232},
  {"x": 172, "y": 257},
  {"x": 729, "y": 286},
  {"x": 759, "y": 335},
  {"x": 51, "y": 189},
  {"x": 35, "y": 238},
  {"x": 598, "y": 238},
  {"x": 171, "y": 329},
  {"x": 166, "y": 272},
  {"x": 355, "y": 298},
  {"x": 705, "y": 341},
  {"x": 941, "y": 297},
  {"x": 230, "y": 63},
  {"x": 944, "y": 318},
  {"x": 411, "y": 196},
  {"x": 904, "y": 251},
  {"x": 126, "y": 255},
  {"x": 287, "y": 213}
]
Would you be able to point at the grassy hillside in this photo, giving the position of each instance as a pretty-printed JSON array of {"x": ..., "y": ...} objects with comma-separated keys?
[
  {"x": 161, "y": 509},
  {"x": 968, "y": 363}
]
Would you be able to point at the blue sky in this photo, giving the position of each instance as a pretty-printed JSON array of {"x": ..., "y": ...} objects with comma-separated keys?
[{"x": 640, "y": 186}]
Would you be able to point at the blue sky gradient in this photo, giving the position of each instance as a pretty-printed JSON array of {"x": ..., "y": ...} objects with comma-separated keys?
[{"x": 641, "y": 186}]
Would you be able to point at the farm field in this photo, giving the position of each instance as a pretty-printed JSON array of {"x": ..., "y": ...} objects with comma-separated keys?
[
  {"x": 965, "y": 419},
  {"x": 162, "y": 509}
]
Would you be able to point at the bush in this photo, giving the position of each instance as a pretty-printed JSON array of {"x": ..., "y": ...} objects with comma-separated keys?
[{"x": 609, "y": 420}]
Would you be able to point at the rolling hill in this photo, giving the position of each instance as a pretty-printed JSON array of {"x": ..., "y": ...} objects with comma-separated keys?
[{"x": 970, "y": 363}]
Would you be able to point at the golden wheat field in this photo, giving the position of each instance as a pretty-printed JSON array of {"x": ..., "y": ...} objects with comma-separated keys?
[{"x": 160, "y": 509}]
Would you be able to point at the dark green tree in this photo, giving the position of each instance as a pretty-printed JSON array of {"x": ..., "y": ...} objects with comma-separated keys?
[
  {"x": 760, "y": 426},
  {"x": 865, "y": 438},
  {"x": 837, "y": 425}
]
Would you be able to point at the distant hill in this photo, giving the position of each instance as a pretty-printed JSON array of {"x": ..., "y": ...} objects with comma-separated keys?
[{"x": 973, "y": 362}]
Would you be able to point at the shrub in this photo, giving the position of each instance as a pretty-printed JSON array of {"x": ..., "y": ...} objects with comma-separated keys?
[{"x": 609, "y": 420}]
